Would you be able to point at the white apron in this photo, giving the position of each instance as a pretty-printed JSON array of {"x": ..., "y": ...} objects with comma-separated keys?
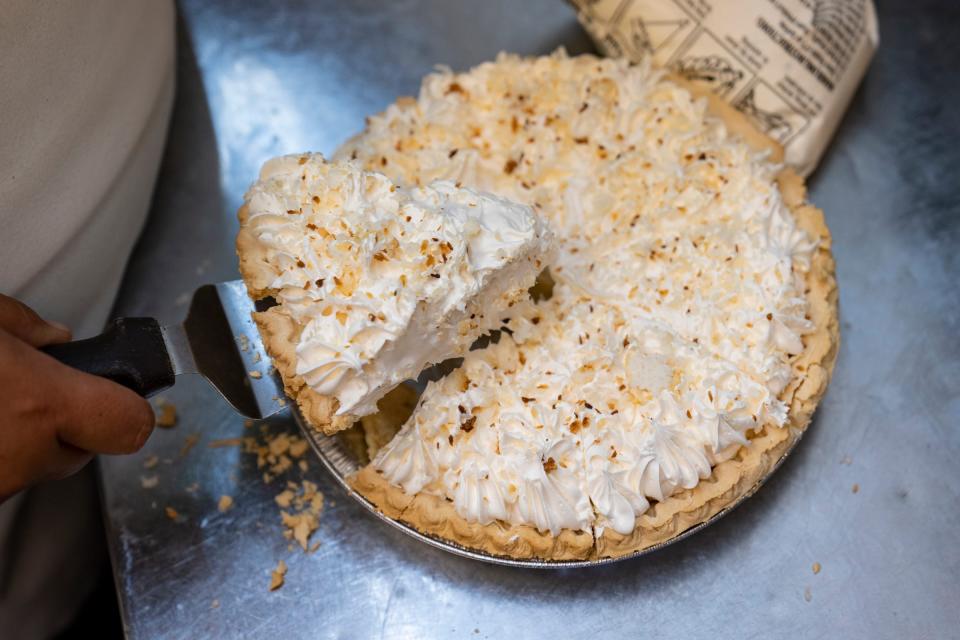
[{"x": 85, "y": 96}]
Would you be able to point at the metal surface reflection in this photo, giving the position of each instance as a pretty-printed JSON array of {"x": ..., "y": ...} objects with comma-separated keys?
[{"x": 258, "y": 79}]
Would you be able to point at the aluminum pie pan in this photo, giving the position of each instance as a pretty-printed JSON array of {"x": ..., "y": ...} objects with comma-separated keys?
[{"x": 342, "y": 464}]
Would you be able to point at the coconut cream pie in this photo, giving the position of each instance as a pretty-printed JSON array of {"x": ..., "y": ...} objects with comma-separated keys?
[
  {"x": 691, "y": 330},
  {"x": 373, "y": 283}
]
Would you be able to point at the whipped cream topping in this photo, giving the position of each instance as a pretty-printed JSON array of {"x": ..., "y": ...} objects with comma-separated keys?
[
  {"x": 580, "y": 405},
  {"x": 678, "y": 304},
  {"x": 383, "y": 280}
]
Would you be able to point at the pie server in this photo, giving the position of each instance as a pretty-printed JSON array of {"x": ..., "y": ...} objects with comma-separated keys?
[{"x": 218, "y": 339}]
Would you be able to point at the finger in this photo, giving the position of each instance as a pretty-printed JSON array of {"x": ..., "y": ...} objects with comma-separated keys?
[
  {"x": 101, "y": 416},
  {"x": 51, "y": 461},
  {"x": 65, "y": 460},
  {"x": 53, "y": 417},
  {"x": 30, "y": 450},
  {"x": 23, "y": 322}
]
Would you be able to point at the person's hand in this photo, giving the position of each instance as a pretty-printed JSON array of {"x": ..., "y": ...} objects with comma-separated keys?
[{"x": 53, "y": 418}]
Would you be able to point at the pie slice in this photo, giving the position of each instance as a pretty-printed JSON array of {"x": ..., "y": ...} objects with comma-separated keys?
[
  {"x": 373, "y": 282},
  {"x": 691, "y": 330}
]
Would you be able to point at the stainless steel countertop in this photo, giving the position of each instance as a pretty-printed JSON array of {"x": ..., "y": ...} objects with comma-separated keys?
[{"x": 258, "y": 80}]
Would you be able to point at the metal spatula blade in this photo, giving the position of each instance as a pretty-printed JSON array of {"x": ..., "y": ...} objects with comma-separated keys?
[{"x": 218, "y": 340}]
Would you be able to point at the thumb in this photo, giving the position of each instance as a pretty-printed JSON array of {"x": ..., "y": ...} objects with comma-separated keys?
[
  {"x": 101, "y": 416},
  {"x": 24, "y": 323}
]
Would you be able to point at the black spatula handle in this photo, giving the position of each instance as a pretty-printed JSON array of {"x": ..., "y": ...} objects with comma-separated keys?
[{"x": 130, "y": 352}]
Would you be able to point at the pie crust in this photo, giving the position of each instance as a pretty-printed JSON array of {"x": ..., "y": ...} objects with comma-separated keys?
[
  {"x": 730, "y": 480},
  {"x": 280, "y": 335}
]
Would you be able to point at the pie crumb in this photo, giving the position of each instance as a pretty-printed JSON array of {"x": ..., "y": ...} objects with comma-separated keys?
[
  {"x": 215, "y": 604},
  {"x": 807, "y": 594},
  {"x": 855, "y": 488},
  {"x": 300, "y": 504},
  {"x": 300, "y": 532},
  {"x": 276, "y": 453},
  {"x": 256, "y": 375},
  {"x": 171, "y": 513},
  {"x": 149, "y": 482},
  {"x": 307, "y": 504},
  {"x": 276, "y": 577},
  {"x": 224, "y": 504},
  {"x": 298, "y": 448},
  {"x": 166, "y": 413},
  {"x": 188, "y": 443},
  {"x": 151, "y": 462},
  {"x": 816, "y": 568}
]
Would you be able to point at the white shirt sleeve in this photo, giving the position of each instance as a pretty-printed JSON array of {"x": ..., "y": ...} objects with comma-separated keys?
[{"x": 85, "y": 95}]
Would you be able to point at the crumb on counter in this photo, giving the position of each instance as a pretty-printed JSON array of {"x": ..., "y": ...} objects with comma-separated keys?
[
  {"x": 276, "y": 577},
  {"x": 171, "y": 513},
  {"x": 256, "y": 375},
  {"x": 149, "y": 482},
  {"x": 816, "y": 568},
  {"x": 166, "y": 413},
  {"x": 188, "y": 443},
  {"x": 305, "y": 504},
  {"x": 275, "y": 453},
  {"x": 151, "y": 462},
  {"x": 224, "y": 504},
  {"x": 300, "y": 503},
  {"x": 284, "y": 498},
  {"x": 855, "y": 488},
  {"x": 298, "y": 447},
  {"x": 300, "y": 526}
]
